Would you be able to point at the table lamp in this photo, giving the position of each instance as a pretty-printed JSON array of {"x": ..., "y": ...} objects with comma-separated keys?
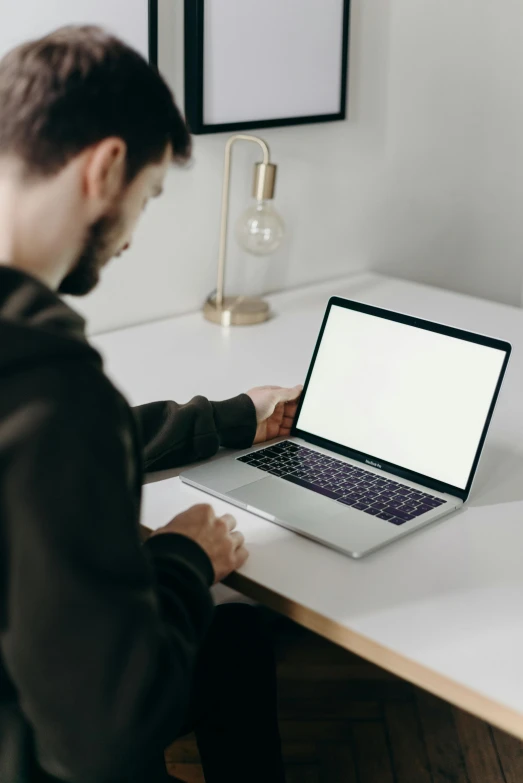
[{"x": 259, "y": 231}]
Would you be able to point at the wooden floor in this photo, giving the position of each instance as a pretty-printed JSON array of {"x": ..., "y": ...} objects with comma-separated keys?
[{"x": 345, "y": 721}]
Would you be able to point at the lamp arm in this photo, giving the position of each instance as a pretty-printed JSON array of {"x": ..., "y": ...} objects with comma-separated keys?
[{"x": 225, "y": 205}]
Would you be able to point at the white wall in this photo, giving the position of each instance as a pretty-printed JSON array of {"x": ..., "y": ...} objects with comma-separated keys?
[{"x": 424, "y": 181}]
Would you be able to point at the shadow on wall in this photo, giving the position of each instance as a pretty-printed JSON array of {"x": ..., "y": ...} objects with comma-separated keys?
[
  {"x": 448, "y": 208},
  {"x": 498, "y": 479}
]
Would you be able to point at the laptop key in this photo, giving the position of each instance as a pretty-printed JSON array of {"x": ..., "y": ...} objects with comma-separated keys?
[
  {"x": 348, "y": 500},
  {"x": 397, "y": 521},
  {"x": 402, "y": 515},
  {"x": 433, "y": 502},
  {"x": 307, "y": 485}
]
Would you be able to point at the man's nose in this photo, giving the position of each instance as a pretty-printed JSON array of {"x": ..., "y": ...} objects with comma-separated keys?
[{"x": 123, "y": 249}]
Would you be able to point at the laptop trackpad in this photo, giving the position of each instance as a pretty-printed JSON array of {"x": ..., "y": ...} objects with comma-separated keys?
[{"x": 285, "y": 501}]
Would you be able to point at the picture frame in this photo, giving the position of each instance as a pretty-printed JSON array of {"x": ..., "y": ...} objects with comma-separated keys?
[
  {"x": 32, "y": 19},
  {"x": 250, "y": 65}
]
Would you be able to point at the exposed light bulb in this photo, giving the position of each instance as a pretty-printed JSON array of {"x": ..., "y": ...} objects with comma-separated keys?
[{"x": 260, "y": 229}]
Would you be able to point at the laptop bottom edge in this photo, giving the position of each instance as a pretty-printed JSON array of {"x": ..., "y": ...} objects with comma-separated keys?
[{"x": 322, "y": 536}]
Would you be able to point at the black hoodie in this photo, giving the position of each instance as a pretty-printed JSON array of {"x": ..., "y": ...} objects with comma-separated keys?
[{"x": 98, "y": 634}]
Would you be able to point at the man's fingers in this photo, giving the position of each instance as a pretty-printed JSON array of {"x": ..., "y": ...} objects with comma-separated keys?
[
  {"x": 288, "y": 395},
  {"x": 238, "y": 539},
  {"x": 287, "y": 422},
  {"x": 229, "y": 521},
  {"x": 241, "y": 556},
  {"x": 294, "y": 393}
]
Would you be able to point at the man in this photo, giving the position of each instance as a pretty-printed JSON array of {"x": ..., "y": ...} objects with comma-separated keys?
[{"x": 108, "y": 650}]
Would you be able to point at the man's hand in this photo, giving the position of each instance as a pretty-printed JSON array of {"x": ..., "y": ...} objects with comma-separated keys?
[
  {"x": 275, "y": 410},
  {"x": 216, "y": 536}
]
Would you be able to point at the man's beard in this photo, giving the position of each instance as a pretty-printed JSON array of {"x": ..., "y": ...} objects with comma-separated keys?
[{"x": 85, "y": 275}]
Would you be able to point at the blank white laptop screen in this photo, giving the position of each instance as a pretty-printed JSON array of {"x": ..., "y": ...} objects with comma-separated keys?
[{"x": 402, "y": 394}]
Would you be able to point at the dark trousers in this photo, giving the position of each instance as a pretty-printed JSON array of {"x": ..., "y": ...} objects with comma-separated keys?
[{"x": 234, "y": 709}]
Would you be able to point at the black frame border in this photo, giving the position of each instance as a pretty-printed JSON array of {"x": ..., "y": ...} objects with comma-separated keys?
[
  {"x": 153, "y": 33},
  {"x": 430, "y": 326},
  {"x": 194, "y": 52}
]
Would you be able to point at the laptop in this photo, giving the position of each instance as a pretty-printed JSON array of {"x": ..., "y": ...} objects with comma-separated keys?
[{"x": 387, "y": 436}]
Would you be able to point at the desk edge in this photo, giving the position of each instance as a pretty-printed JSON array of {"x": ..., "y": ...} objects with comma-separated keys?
[{"x": 461, "y": 696}]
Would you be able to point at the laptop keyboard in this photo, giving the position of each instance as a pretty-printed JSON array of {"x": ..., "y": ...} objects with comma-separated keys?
[{"x": 368, "y": 492}]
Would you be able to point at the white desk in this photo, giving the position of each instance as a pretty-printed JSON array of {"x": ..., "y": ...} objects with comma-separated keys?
[{"x": 442, "y": 608}]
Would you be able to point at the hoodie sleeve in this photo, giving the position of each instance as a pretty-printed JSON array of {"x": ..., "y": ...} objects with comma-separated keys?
[
  {"x": 102, "y": 633},
  {"x": 175, "y": 435}
]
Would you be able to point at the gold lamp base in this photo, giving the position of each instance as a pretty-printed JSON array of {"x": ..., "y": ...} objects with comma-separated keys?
[{"x": 237, "y": 311}]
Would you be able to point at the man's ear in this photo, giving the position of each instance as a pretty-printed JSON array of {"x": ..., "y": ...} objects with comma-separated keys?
[{"x": 104, "y": 173}]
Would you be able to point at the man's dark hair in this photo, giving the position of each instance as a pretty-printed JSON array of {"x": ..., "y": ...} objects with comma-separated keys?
[{"x": 77, "y": 86}]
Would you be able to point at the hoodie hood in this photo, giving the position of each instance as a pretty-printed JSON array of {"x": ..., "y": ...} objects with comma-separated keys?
[{"x": 36, "y": 326}]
